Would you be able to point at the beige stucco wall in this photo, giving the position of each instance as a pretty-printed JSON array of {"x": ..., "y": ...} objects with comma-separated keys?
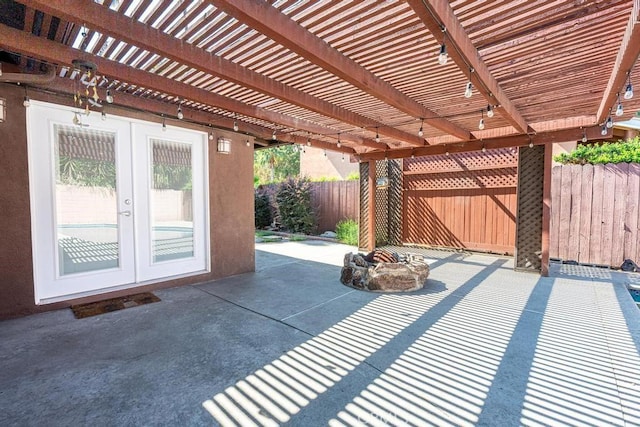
[
  {"x": 314, "y": 164},
  {"x": 231, "y": 212}
]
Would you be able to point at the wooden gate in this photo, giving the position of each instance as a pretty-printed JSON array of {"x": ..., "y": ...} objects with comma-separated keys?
[{"x": 463, "y": 200}]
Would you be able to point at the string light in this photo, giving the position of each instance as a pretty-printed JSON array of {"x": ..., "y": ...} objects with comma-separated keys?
[
  {"x": 103, "y": 116},
  {"x": 339, "y": 143},
  {"x": 248, "y": 143},
  {"x": 481, "y": 124},
  {"x": 180, "y": 113},
  {"x": 609, "y": 122},
  {"x": 490, "y": 111},
  {"x": 421, "y": 132},
  {"x": 628, "y": 92},
  {"x": 484, "y": 149},
  {"x": 308, "y": 141},
  {"x": 443, "y": 57},
  {"x": 109, "y": 97},
  {"x": 468, "y": 91},
  {"x": 604, "y": 131},
  {"x": 235, "y": 126},
  {"x": 584, "y": 135},
  {"x": 619, "y": 108},
  {"x": 377, "y": 135},
  {"x": 26, "y": 102},
  {"x": 273, "y": 135}
]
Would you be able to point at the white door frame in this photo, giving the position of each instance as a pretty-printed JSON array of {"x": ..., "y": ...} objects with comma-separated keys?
[{"x": 133, "y": 174}]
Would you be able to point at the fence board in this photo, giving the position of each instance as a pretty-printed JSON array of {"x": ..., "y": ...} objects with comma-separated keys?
[
  {"x": 574, "y": 219},
  {"x": 556, "y": 184},
  {"x": 596, "y": 216},
  {"x": 565, "y": 212},
  {"x": 631, "y": 214},
  {"x": 608, "y": 212},
  {"x": 586, "y": 202},
  {"x": 619, "y": 206}
]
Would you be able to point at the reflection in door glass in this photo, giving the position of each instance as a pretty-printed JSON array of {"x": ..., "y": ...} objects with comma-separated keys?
[
  {"x": 171, "y": 201},
  {"x": 86, "y": 202}
]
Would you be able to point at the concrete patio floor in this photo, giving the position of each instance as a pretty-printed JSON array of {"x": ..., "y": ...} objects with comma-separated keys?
[{"x": 289, "y": 345}]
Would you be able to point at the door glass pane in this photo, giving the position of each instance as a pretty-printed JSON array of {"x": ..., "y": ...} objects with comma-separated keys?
[
  {"x": 171, "y": 201},
  {"x": 86, "y": 202}
]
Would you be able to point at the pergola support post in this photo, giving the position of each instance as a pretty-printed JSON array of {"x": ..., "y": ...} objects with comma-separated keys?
[
  {"x": 546, "y": 209},
  {"x": 366, "y": 237},
  {"x": 531, "y": 213}
]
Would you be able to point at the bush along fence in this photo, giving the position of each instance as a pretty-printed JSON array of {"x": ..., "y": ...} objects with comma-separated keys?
[
  {"x": 594, "y": 213},
  {"x": 330, "y": 202}
]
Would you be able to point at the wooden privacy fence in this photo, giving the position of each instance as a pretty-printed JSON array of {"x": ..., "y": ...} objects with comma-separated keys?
[
  {"x": 334, "y": 201},
  {"x": 594, "y": 213}
]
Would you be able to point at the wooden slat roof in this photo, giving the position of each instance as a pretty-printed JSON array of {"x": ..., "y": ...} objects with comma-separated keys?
[{"x": 324, "y": 70}]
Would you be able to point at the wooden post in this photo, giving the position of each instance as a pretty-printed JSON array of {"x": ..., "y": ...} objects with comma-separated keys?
[
  {"x": 371, "y": 232},
  {"x": 546, "y": 209}
]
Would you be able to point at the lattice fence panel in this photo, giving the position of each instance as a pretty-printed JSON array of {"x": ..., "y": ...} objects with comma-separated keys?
[
  {"x": 364, "y": 205},
  {"x": 456, "y": 162},
  {"x": 530, "y": 198},
  {"x": 488, "y": 178},
  {"x": 395, "y": 202},
  {"x": 382, "y": 205}
]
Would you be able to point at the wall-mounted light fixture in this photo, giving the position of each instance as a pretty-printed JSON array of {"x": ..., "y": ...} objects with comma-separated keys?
[{"x": 224, "y": 145}]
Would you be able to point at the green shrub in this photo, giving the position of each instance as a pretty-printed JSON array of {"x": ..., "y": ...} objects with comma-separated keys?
[
  {"x": 615, "y": 152},
  {"x": 262, "y": 209},
  {"x": 347, "y": 231},
  {"x": 353, "y": 176},
  {"x": 293, "y": 197}
]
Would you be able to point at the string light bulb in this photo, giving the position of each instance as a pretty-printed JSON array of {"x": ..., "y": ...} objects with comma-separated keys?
[
  {"x": 273, "y": 135},
  {"x": 180, "y": 113},
  {"x": 235, "y": 126},
  {"x": 490, "y": 111},
  {"x": 481, "y": 124},
  {"x": 103, "y": 116},
  {"x": 609, "y": 122},
  {"x": 109, "y": 97},
  {"x": 468, "y": 92},
  {"x": 628, "y": 92},
  {"x": 27, "y": 102},
  {"x": 443, "y": 57},
  {"x": 619, "y": 108},
  {"x": 604, "y": 131},
  {"x": 308, "y": 141},
  {"x": 531, "y": 145},
  {"x": 421, "y": 131},
  {"x": 377, "y": 135},
  {"x": 584, "y": 136},
  {"x": 484, "y": 149},
  {"x": 248, "y": 143}
]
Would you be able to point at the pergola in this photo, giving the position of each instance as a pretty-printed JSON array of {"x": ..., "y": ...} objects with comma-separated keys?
[{"x": 365, "y": 78}]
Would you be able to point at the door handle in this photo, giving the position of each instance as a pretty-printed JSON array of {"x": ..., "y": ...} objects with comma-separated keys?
[{"x": 125, "y": 213}]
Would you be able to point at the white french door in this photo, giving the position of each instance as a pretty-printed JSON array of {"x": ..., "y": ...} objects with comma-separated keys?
[{"x": 114, "y": 203}]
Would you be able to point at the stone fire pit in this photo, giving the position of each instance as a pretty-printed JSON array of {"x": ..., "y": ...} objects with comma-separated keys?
[{"x": 382, "y": 271}]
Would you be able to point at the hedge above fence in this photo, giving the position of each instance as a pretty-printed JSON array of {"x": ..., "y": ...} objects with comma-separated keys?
[{"x": 616, "y": 152}]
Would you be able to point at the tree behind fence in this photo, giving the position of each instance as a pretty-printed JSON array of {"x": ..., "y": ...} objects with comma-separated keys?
[{"x": 594, "y": 213}]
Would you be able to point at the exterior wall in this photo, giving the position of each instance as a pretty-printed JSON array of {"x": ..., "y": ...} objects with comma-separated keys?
[
  {"x": 313, "y": 164},
  {"x": 231, "y": 212}
]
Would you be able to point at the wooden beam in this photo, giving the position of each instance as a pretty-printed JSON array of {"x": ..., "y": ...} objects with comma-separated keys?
[
  {"x": 564, "y": 135},
  {"x": 269, "y": 21},
  {"x": 49, "y": 51},
  {"x": 546, "y": 209},
  {"x": 63, "y": 93},
  {"x": 627, "y": 57},
  {"x": 438, "y": 14},
  {"x": 146, "y": 37}
]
